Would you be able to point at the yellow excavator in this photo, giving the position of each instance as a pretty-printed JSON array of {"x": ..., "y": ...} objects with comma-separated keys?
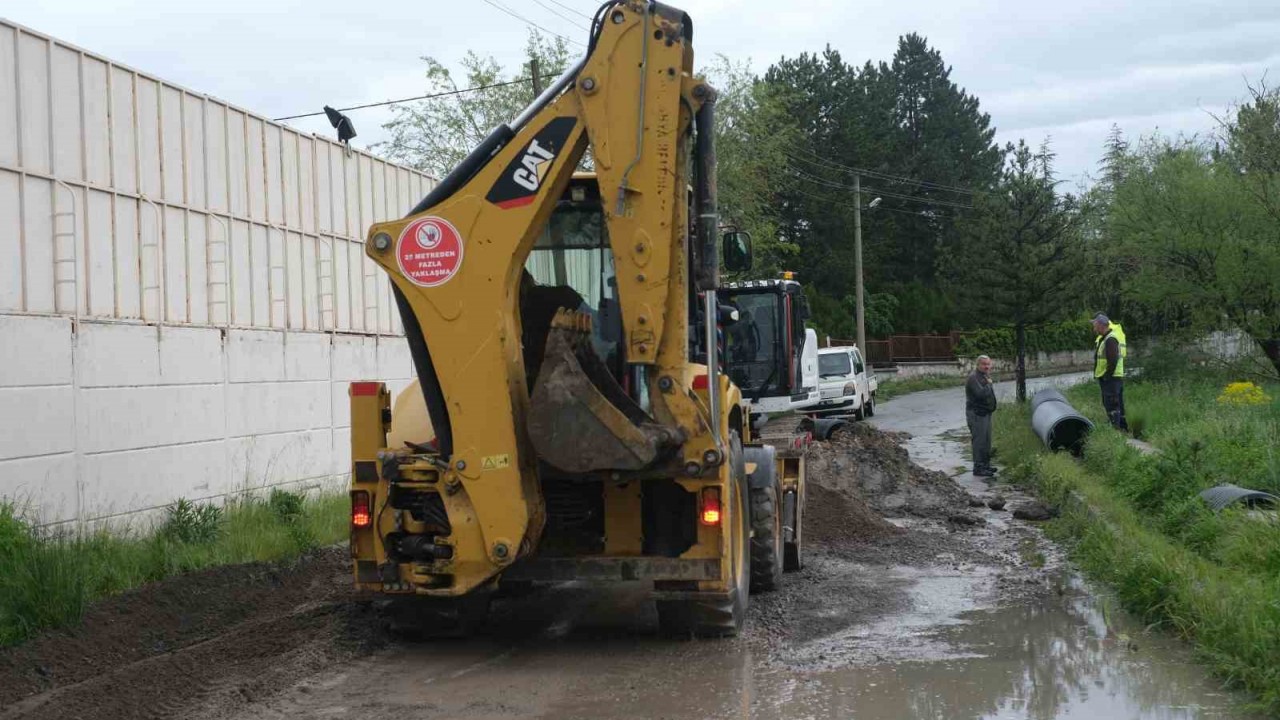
[{"x": 571, "y": 420}]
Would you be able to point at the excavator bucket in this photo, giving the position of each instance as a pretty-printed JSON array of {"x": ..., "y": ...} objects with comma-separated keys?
[{"x": 580, "y": 419}]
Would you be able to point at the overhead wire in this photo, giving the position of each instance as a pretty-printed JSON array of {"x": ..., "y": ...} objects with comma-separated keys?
[
  {"x": 831, "y": 164},
  {"x": 447, "y": 93},
  {"x": 834, "y": 201},
  {"x": 573, "y": 10},
  {"x": 878, "y": 191},
  {"x": 561, "y": 15},
  {"x": 529, "y": 22}
]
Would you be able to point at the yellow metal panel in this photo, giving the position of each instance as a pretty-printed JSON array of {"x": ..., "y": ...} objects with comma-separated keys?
[{"x": 622, "y": 516}]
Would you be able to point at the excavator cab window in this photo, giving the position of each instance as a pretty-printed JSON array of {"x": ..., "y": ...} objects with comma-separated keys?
[
  {"x": 571, "y": 266},
  {"x": 754, "y": 345}
]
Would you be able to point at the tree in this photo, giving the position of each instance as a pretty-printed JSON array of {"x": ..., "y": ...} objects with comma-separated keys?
[
  {"x": 753, "y": 136},
  {"x": 1201, "y": 240},
  {"x": 905, "y": 118},
  {"x": 1253, "y": 147},
  {"x": 1017, "y": 262},
  {"x": 945, "y": 139},
  {"x": 435, "y": 135}
]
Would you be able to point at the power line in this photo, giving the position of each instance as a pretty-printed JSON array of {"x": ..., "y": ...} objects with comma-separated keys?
[
  {"x": 910, "y": 198},
  {"x": 867, "y": 189},
  {"x": 575, "y": 11},
  {"x": 561, "y": 15},
  {"x": 823, "y": 162},
  {"x": 529, "y": 22},
  {"x": 836, "y": 201},
  {"x": 459, "y": 91},
  {"x": 914, "y": 198}
]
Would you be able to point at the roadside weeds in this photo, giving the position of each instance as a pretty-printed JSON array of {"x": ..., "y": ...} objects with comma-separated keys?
[
  {"x": 1136, "y": 523},
  {"x": 49, "y": 577}
]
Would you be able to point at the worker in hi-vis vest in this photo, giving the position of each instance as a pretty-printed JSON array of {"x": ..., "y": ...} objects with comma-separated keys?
[{"x": 1109, "y": 352}]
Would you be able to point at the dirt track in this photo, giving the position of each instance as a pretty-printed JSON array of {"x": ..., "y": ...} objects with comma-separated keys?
[{"x": 912, "y": 603}]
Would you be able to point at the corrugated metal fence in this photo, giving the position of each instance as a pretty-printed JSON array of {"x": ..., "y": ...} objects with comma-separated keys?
[
  {"x": 908, "y": 348},
  {"x": 127, "y": 202}
]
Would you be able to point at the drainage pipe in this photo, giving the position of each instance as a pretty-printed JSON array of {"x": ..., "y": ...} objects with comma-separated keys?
[{"x": 1058, "y": 425}]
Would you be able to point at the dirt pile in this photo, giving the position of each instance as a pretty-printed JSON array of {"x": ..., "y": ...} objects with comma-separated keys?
[
  {"x": 231, "y": 631},
  {"x": 833, "y": 518},
  {"x": 866, "y": 464}
]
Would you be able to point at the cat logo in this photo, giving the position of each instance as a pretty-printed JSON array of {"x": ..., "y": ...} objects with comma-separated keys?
[
  {"x": 522, "y": 178},
  {"x": 533, "y": 167}
]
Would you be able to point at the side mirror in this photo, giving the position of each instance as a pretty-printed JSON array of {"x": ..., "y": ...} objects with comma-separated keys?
[{"x": 736, "y": 251}]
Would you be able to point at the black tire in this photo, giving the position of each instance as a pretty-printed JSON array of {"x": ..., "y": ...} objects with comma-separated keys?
[
  {"x": 715, "y": 617},
  {"x": 792, "y": 552},
  {"x": 859, "y": 413},
  {"x": 766, "y": 540},
  {"x": 870, "y": 409}
]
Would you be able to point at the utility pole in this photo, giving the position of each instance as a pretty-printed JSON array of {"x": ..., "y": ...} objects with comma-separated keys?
[
  {"x": 537, "y": 79},
  {"x": 857, "y": 262}
]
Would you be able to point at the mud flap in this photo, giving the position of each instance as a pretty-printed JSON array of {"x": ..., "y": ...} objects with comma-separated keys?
[{"x": 580, "y": 420}]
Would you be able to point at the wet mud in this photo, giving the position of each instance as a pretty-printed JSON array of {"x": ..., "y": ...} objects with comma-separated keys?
[{"x": 917, "y": 600}]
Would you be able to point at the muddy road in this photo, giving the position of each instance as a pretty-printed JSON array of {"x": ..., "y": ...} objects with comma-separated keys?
[{"x": 917, "y": 601}]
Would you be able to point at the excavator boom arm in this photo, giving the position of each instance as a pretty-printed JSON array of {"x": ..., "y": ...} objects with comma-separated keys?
[{"x": 457, "y": 266}]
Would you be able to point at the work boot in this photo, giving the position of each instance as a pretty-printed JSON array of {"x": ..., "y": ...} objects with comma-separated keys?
[{"x": 984, "y": 472}]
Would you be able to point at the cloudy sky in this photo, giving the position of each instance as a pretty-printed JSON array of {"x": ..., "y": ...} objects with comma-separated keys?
[{"x": 1066, "y": 70}]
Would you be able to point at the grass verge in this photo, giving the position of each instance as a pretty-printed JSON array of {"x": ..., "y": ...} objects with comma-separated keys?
[
  {"x": 48, "y": 578},
  {"x": 1137, "y": 523}
]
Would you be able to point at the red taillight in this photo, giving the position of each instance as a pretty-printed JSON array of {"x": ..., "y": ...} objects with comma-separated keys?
[
  {"x": 700, "y": 382},
  {"x": 710, "y": 506},
  {"x": 361, "y": 513}
]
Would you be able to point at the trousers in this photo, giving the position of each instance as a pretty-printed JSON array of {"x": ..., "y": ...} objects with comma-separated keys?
[
  {"x": 980, "y": 436},
  {"x": 1113, "y": 401}
]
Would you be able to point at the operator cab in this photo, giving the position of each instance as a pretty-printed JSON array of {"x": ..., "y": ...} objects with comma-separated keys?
[
  {"x": 571, "y": 266},
  {"x": 768, "y": 352}
]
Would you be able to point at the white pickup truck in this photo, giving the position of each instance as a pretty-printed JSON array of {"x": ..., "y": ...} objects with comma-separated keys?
[{"x": 846, "y": 383}]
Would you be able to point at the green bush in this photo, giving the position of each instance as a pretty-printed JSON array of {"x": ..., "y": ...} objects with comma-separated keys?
[
  {"x": 1001, "y": 342},
  {"x": 286, "y": 505},
  {"x": 1163, "y": 363},
  {"x": 187, "y": 522}
]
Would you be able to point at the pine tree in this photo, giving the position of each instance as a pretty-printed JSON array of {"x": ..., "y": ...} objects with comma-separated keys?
[{"x": 1018, "y": 260}]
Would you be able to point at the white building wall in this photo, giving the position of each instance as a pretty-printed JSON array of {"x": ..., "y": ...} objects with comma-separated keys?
[{"x": 184, "y": 294}]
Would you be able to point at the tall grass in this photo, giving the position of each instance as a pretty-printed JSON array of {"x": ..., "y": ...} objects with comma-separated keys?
[
  {"x": 48, "y": 578},
  {"x": 1136, "y": 521}
]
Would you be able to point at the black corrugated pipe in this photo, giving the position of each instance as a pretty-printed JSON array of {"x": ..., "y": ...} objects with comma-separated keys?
[{"x": 1058, "y": 424}]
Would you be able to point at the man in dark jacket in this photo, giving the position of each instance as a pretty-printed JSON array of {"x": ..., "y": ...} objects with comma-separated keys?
[{"x": 980, "y": 403}]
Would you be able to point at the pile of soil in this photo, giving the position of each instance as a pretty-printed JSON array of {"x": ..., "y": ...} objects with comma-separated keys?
[
  {"x": 871, "y": 467},
  {"x": 236, "y": 630},
  {"x": 834, "y": 518}
]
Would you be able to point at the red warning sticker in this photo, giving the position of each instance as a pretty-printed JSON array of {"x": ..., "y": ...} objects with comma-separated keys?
[{"x": 429, "y": 251}]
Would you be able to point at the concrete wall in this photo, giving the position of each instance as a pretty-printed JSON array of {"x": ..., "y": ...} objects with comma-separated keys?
[
  {"x": 1039, "y": 362},
  {"x": 124, "y": 418},
  {"x": 183, "y": 289}
]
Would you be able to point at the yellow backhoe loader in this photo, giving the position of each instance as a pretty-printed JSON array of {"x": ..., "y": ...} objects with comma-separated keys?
[{"x": 571, "y": 419}]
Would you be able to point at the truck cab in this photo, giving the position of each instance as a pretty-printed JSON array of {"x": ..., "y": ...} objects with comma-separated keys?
[
  {"x": 846, "y": 383},
  {"x": 768, "y": 352}
]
